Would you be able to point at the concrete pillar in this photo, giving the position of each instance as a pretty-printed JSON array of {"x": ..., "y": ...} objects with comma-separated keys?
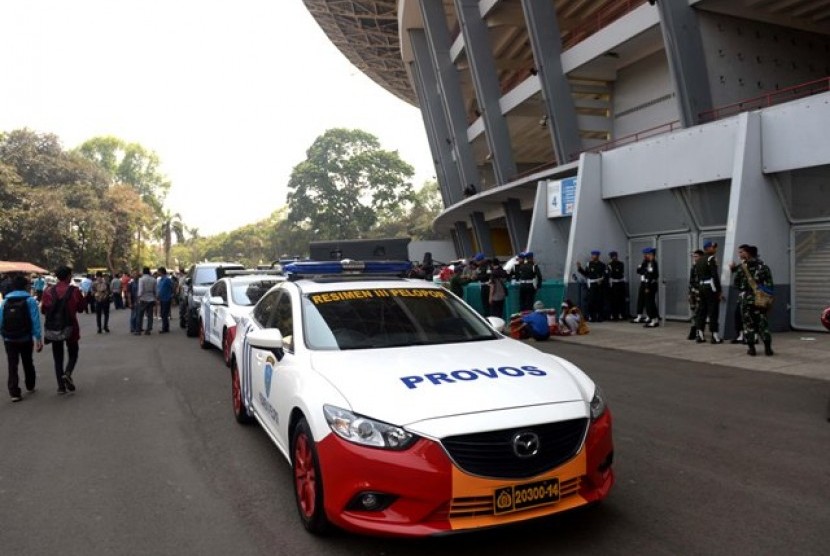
[
  {"x": 461, "y": 236},
  {"x": 481, "y": 231},
  {"x": 486, "y": 84},
  {"x": 518, "y": 225}
]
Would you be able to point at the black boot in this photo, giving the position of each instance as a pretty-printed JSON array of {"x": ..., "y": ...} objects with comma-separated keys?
[
  {"x": 699, "y": 338},
  {"x": 767, "y": 347},
  {"x": 692, "y": 333},
  {"x": 751, "y": 350}
]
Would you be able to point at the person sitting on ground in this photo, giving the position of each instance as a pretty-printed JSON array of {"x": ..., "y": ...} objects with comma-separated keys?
[
  {"x": 535, "y": 324},
  {"x": 572, "y": 322}
]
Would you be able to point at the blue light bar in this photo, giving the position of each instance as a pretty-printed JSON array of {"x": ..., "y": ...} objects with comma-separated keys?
[{"x": 346, "y": 266}]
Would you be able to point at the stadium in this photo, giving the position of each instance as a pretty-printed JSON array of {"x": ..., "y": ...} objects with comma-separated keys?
[{"x": 564, "y": 126}]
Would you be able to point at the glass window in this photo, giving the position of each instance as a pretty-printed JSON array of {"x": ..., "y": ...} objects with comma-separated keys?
[
  {"x": 262, "y": 311},
  {"x": 806, "y": 192},
  {"x": 366, "y": 319},
  {"x": 652, "y": 213},
  {"x": 282, "y": 319},
  {"x": 204, "y": 276},
  {"x": 248, "y": 292},
  {"x": 710, "y": 203}
]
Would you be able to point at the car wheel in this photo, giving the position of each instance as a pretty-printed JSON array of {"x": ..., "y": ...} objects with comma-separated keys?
[
  {"x": 192, "y": 326},
  {"x": 203, "y": 343},
  {"x": 226, "y": 348},
  {"x": 239, "y": 412},
  {"x": 308, "y": 481}
]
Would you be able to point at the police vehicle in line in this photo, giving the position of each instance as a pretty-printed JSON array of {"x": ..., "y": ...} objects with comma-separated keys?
[
  {"x": 195, "y": 285},
  {"x": 227, "y": 301},
  {"x": 403, "y": 412}
]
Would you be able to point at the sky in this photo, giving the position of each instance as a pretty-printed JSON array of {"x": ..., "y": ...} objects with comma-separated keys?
[{"x": 229, "y": 94}]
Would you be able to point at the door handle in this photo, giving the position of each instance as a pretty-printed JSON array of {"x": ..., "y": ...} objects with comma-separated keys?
[{"x": 259, "y": 357}]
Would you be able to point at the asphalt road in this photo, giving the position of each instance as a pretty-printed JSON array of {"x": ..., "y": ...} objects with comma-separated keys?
[{"x": 145, "y": 458}]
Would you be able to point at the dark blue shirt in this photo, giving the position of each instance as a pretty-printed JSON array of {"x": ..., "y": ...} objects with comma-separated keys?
[
  {"x": 538, "y": 323},
  {"x": 165, "y": 288}
]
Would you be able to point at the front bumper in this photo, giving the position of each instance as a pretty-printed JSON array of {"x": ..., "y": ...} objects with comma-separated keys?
[{"x": 433, "y": 496}]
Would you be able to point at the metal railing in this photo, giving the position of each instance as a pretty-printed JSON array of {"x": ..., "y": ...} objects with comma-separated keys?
[
  {"x": 605, "y": 16},
  {"x": 769, "y": 99}
]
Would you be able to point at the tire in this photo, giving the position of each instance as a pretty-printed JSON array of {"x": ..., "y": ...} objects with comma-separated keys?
[
  {"x": 239, "y": 412},
  {"x": 203, "y": 343},
  {"x": 308, "y": 481},
  {"x": 192, "y": 326}
]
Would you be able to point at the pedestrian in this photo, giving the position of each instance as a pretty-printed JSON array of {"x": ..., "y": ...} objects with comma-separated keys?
[
  {"x": 165, "y": 298},
  {"x": 497, "y": 289},
  {"x": 21, "y": 331},
  {"x": 456, "y": 283},
  {"x": 694, "y": 291},
  {"x": 482, "y": 276},
  {"x": 132, "y": 295},
  {"x": 146, "y": 300},
  {"x": 647, "y": 295},
  {"x": 616, "y": 287},
  {"x": 753, "y": 279},
  {"x": 86, "y": 290},
  {"x": 594, "y": 274},
  {"x": 710, "y": 294},
  {"x": 115, "y": 288},
  {"x": 571, "y": 320},
  {"x": 39, "y": 285},
  {"x": 102, "y": 293},
  {"x": 125, "y": 289},
  {"x": 61, "y": 305}
]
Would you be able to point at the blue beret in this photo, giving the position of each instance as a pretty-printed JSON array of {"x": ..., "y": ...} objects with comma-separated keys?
[
  {"x": 709, "y": 243},
  {"x": 521, "y": 254},
  {"x": 479, "y": 257},
  {"x": 612, "y": 253},
  {"x": 595, "y": 252},
  {"x": 529, "y": 254},
  {"x": 647, "y": 250}
]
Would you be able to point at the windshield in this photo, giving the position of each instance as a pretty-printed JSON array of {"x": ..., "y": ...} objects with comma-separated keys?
[
  {"x": 248, "y": 292},
  {"x": 204, "y": 276},
  {"x": 363, "y": 319}
]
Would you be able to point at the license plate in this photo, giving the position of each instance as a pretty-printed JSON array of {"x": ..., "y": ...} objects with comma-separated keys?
[{"x": 519, "y": 497}]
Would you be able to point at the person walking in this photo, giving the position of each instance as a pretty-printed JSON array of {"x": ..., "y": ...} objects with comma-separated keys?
[
  {"x": 86, "y": 290},
  {"x": 146, "y": 300},
  {"x": 595, "y": 276},
  {"x": 647, "y": 296},
  {"x": 753, "y": 279},
  {"x": 165, "y": 297},
  {"x": 616, "y": 287},
  {"x": 102, "y": 292},
  {"x": 21, "y": 331},
  {"x": 125, "y": 290},
  {"x": 39, "y": 285},
  {"x": 710, "y": 294},
  {"x": 61, "y": 305},
  {"x": 132, "y": 296},
  {"x": 115, "y": 288}
]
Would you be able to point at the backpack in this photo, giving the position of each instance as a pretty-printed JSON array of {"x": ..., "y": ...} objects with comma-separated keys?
[
  {"x": 58, "y": 325},
  {"x": 17, "y": 323}
]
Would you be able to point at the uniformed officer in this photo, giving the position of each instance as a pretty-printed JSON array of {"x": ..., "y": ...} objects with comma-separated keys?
[
  {"x": 748, "y": 276},
  {"x": 594, "y": 274},
  {"x": 647, "y": 294},
  {"x": 710, "y": 294},
  {"x": 529, "y": 277},
  {"x": 616, "y": 287},
  {"x": 694, "y": 292}
]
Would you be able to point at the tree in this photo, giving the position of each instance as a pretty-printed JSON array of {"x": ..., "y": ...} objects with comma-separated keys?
[
  {"x": 346, "y": 182},
  {"x": 413, "y": 219},
  {"x": 171, "y": 224}
]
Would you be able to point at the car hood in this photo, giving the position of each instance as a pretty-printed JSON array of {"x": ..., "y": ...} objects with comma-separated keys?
[{"x": 405, "y": 385}]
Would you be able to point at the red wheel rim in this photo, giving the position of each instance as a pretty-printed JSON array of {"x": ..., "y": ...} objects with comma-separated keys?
[
  {"x": 237, "y": 391},
  {"x": 305, "y": 479},
  {"x": 201, "y": 334},
  {"x": 226, "y": 349}
]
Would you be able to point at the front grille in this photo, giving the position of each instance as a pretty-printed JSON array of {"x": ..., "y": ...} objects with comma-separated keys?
[
  {"x": 491, "y": 454},
  {"x": 475, "y": 506}
]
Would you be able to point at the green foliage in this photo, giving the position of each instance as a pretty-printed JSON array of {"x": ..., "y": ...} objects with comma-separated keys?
[
  {"x": 413, "y": 219},
  {"x": 347, "y": 183}
]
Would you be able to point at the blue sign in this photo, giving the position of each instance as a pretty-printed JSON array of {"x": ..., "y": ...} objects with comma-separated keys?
[{"x": 561, "y": 197}]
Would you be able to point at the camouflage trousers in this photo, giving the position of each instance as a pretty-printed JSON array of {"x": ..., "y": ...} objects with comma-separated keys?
[{"x": 754, "y": 321}]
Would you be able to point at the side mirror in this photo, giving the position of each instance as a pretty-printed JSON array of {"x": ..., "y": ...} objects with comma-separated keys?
[
  {"x": 188, "y": 280},
  {"x": 269, "y": 339},
  {"x": 496, "y": 323},
  {"x": 216, "y": 300}
]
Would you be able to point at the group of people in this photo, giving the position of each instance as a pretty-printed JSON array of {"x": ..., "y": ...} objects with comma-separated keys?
[
  {"x": 24, "y": 331},
  {"x": 605, "y": 286},
  {"x": 541, "y": 323}
]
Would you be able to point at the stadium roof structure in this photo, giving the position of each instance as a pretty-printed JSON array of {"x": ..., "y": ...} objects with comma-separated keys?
[{"x": 366, "y": 32}]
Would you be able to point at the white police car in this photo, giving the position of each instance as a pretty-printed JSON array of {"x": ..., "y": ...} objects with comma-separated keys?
[
  {"x": 403, "y": 412},
  {"x": 227, "y": 301}
]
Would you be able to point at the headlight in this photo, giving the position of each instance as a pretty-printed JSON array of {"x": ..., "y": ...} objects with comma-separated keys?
[
  {"x": 598, "y": 404},
  {"x": 365, "y": 431}
]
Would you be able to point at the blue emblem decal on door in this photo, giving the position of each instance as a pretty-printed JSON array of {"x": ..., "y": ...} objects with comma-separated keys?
[{"x": 269, "y": 370}]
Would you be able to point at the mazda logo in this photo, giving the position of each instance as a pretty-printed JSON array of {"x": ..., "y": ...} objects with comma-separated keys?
[{"x": 526, "y": 444}]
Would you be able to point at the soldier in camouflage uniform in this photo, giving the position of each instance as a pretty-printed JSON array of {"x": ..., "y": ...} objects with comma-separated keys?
[
  {"x": 595, "y": 275},
  {"x": 694, "y": 292},
  {"x": 754, "y": 318}
]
